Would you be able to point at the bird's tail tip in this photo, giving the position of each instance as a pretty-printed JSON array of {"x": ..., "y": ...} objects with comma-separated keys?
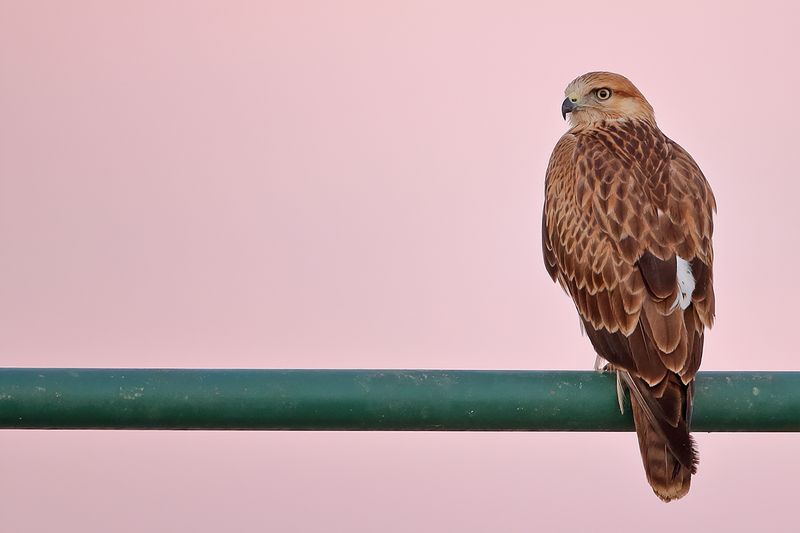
[{"x": 673, "y": 491}]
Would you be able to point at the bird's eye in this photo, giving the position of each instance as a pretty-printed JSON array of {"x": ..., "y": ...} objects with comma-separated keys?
[{"x": 603, "y": 94}]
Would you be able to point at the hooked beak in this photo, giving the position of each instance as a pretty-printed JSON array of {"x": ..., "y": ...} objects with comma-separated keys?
[{"x": 567, "y": 106}]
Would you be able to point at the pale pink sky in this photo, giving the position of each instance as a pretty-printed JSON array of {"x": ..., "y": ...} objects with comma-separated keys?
[{"x": 359, "y": 184}]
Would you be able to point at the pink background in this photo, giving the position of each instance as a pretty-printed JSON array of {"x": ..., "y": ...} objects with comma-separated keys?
[{"x": 359, "y": 184}]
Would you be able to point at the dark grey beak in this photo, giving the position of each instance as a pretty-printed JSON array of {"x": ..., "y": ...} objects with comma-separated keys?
[{"x": 566, "y": 107}]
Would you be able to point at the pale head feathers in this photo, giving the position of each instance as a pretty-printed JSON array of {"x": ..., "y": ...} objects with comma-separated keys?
[{"x": 624, "y": 101}]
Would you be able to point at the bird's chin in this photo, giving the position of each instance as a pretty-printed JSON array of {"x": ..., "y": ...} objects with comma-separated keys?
[
  {"x": 577, "y": 117},
  {"x": 584, "y": 115}
]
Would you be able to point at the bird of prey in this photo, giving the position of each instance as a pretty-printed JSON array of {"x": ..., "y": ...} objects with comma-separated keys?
[{"x": 626, "y": 231}]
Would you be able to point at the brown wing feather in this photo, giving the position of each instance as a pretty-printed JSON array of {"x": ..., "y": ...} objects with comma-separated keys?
[
  {"x": 622, "y": 202},
  {"x": 547, "y": 250},
  {"x": 659, "y": 275}
]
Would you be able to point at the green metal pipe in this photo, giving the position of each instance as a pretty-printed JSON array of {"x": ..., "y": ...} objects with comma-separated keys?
[{"x": 378, "y": 400}]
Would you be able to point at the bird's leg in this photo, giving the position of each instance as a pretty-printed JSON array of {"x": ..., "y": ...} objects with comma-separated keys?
[{"x": 603, "y": 366}]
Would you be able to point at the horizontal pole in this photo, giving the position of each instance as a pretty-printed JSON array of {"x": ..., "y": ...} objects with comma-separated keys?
[{"x": 378, "y": 400}]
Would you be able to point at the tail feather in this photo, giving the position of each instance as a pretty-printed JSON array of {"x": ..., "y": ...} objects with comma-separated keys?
[{"x": 669, "y": 454}]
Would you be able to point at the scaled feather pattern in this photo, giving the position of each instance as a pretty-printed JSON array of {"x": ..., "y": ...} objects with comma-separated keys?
[{"x": 627, "y": 232}]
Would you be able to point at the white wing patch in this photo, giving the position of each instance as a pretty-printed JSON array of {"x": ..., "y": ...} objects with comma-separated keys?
[{"x": 685, "y": 284}]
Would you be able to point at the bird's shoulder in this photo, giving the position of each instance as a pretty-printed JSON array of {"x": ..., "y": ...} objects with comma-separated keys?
[{"x": 628, "y": 186}]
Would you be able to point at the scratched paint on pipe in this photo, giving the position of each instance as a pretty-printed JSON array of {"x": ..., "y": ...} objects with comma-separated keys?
[{"x": 376, "y": 400}]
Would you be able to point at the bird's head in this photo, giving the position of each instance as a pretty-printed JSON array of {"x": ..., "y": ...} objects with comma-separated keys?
[{"x": 598, "y": 96}]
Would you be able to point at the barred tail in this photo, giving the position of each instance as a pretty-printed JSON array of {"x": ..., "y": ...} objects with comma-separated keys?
[{"x": 660, "y": 415}]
